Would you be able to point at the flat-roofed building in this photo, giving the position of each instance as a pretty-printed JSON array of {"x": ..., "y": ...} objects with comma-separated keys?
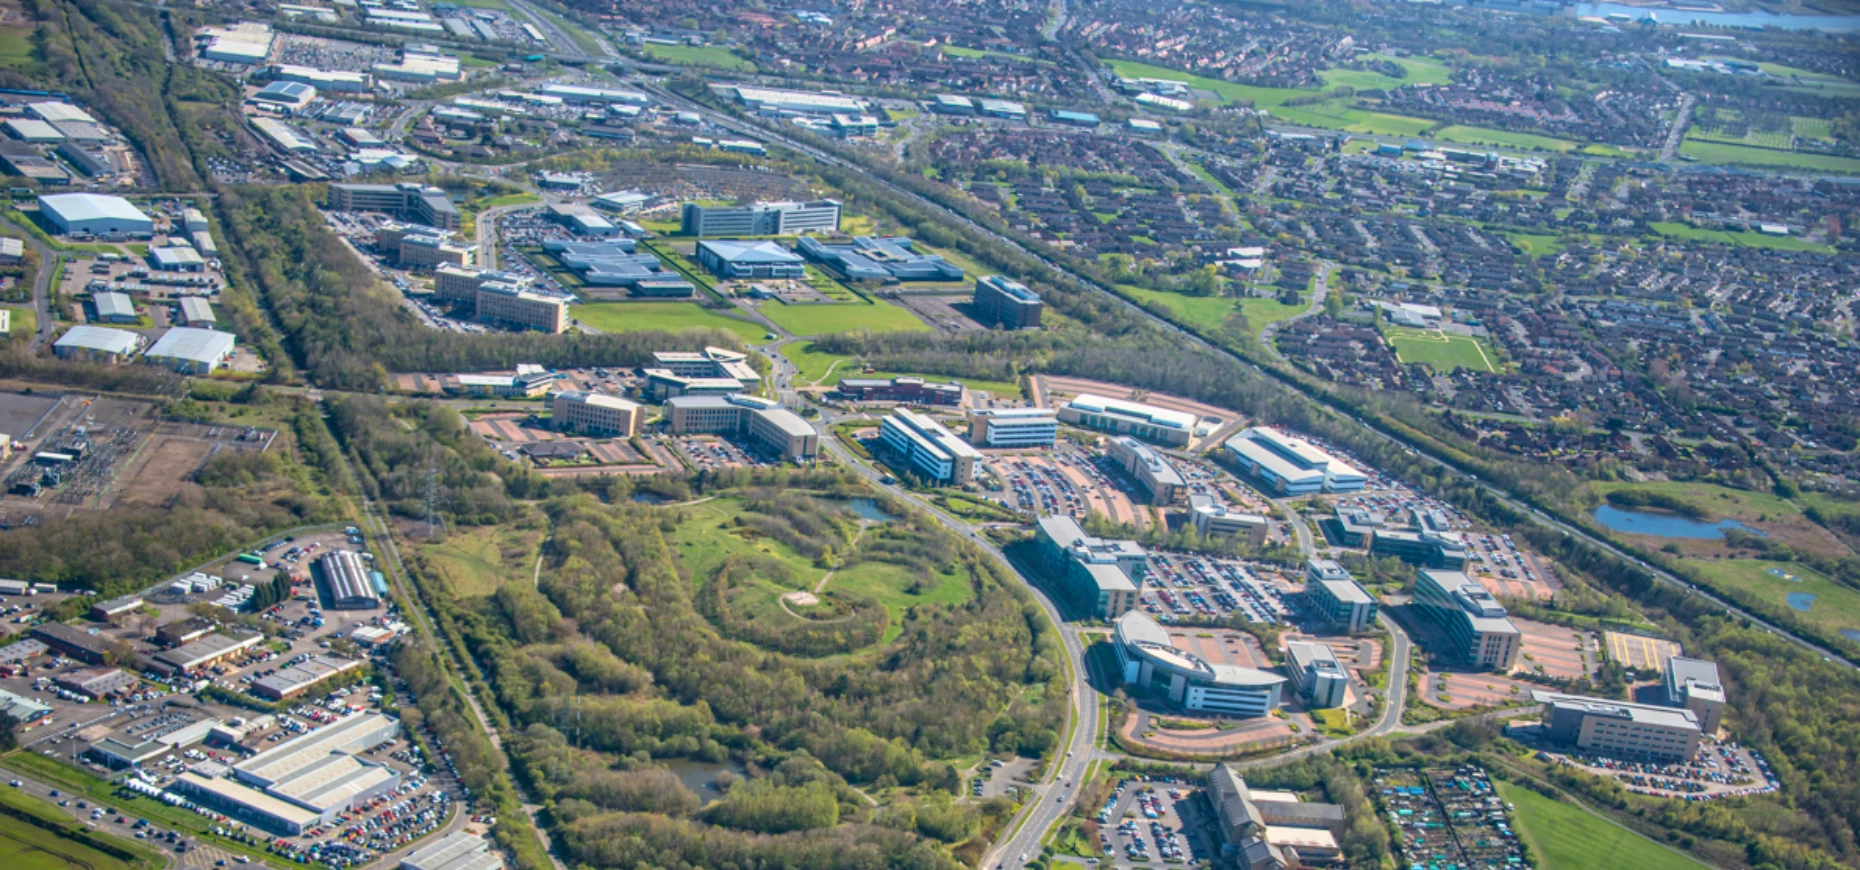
[
  {"x": 1292, "y": 466},
  {"x": 422, "y": 250},
  {"x": 1431, "y": 549},
  {"x": 711, "y": 362},
  {"x": 246, "y": 804},
  {"x": 96, "y": 344},
  {"x": 183, "y": 631},
  {"x": 1694, "y": 684},
  {"x": 1336, "y": 597},
  {"x": 346, "y": 578},
  {"x": 522, "y": 385},
  {"x": 116, "y": 609},
  {"x": 358, "y": 733},
  {"x": 1102, "y": 577},
  {"x": 870, "y": 258},
  {"x": 1149, "y": 659},
  {"x": 1479, "y": 632},
  {"x": 770, "y": 101},
  {"x": 665, "y": 384},
  {"x": 766, "y": 424},
  {"x": 408, "y": 201},
  {"x": 98, "y": 682},
  {"x": 1213, "y": 519},
  {"x": 1153, "y": 472},
  {"x": 927, "y": 448},
  {"x": 69, "y": 640},
  {"x": 1316, "y": 674},
  {"x": 1618, "y": 729},
  {"x": 34, "y": 131},
  {"x": 118, "y": 754},
  {"x": 191, "y": 350},
  {"x": 954, "y": 104},
  {"x": 455, "y": 284},
  {"x": 1120, "y": 417},
  {"x": 582, "y": 220},
  {"x": 908, "y": 390},
  {"x": 594, "y": 414},
  {"x": 302, "y": 677},
  {"x": 518, "y": 307},
  {"x": 177, "y": 258},
  {"x": 999, "y": 301},
  {"x": 762, "y": 218},
  {"x": 1013, "y": 427}
]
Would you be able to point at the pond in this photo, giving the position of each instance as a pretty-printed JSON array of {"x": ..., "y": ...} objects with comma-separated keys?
[
  {"x": 701, "y": 776},
  {"x": 1724, "y": 19},
  {"x": 1801, "y": 601},
  {"x": 649, "y": 498},
  {"x": 1852, "y": 634},
  {"x": 1665, "y": 525},
  {"x": 868, "y": 509}
]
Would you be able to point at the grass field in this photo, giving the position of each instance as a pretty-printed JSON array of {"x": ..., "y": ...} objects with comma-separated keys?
[
  {"x": 25, "y": 846},
  {"x": 475, "y": 563},
  {"x": 1338, "y": 115},
  {"x": 1229, "y": 91},
  {"x": 699, "y": 55},
  {"x": 1503, "y": 138},
  {"x": 1746, "y": 238},
  {"x": 1718, "y": 502},
  {"x": 1212, "y": 311},
  {"x": 1718, "y": 153},
  {"x": 1439, "y": 351},
  {"x": 824, "y": 319},
  {"x": 889, "y": 584},
  {"x": 1535, "y": 245},
  {"x": 1835, "y": 608},
  {"x": 25, "y": 321},
  {"x": 709, "y": 537},
  {"x": 15, "y": 46},
  {"x": 669, "y": 316},
  {"x": 1421, "y": 71},
  {"x": 1565, "y": 837},
  {"x": 964, "y": 51}
]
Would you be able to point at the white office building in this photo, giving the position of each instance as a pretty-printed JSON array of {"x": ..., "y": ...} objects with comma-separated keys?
[
  {"x": 1292, "y": 466},
  {"x": 1119, "y": 417},
  {"x": 928, "y": 448},
  {"x": 1013, "y": 427}
]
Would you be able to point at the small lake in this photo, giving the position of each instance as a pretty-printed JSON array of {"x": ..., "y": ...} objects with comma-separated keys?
[
  {"x": 868, "y": 509},
  {"x": 1852, "y": 634},
  {"x": 1724, "y": 19},
  {"x": 1664, "y": 525},
  {"x": 701, "y": 776},
  {"x": 1801, "y": 601},
  {"x": 649, "y": 498}
]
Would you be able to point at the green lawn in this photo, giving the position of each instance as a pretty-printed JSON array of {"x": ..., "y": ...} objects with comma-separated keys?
[
  {"x": 25, "y": 320},
  {"x": 1421, "y": 71},
  {"x": 817, "y": 368},
  {"x": 1338, "y": 115},
  {"x": 1503, "y": 138},
  {"x": 668, "y": 316},
  {"x": 24, "y": 845},
  {"x": 709, "y": 537},
  {"x": 490, "y": 202},
  {"x": 1565, "y": 837},
  {"x": 1211, "y": 312},
  {"x": 15, "y": 46},
  {"x": 890, "y": 584},
  {"x": 964, "y": 51},
  {"x": 1835, "y": 608},
  {"x": 1439, "y": 351},
  {"x": 715, "y": 56},
  {"x": 824, "y": 319},
  {"x": 1230, "y": 91},
  {"x": 475, "y": 563},
  {"x": 1717, "y": 153},
  {"x": 1747, "y": 238},
  {"x": 1718, "y": 502},
  {"x": 1535, "y": 245}
]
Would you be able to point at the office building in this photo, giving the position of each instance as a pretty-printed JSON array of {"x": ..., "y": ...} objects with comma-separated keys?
[
  {"x": 594, "y": 414},
  {"x": 453, "y": 284},
  {"x": 114, "y": 308},
  {"x": 408, "y": 202},
  {"x": 1119, "y": 417},
  {"x": 954, "y": 104},
  {"x": 927, "y": 448},
  {"x": 767, "y": 425},
  {"x": 1350, "y": 526},
  {"x": 459, "y": 850},
  {"x": 1013, "y": 427},
  {"x": 1477, "y": 629},
  {"x": 90, "y": 214},
  {"x": 730, "y": 259},
  {"x": 515, "y": 306},
  {"x": 96, "y": 344},
  {"x": 1153, "y": 472},
  {"x": 582, "y": 220},
  {"x": 1618, "y": 729},
  {"x": 1336, "y": 598},
  {"x": 711, "y": 362},
  {"x": 1150, "y": 661},
  {"x": 1292, "y": 466},
  {"x": 1099, "y": 576},
  {"x": 191, "y": 350},
  {"x": 1261, "y": 830},
  {"x": 1004, "y": 303},
  {"x": 422, "y": 248},
  {"x": 1316, "y": 674},
  {"x": 762, "y": 218},
  {"x": 1694, "y": 684},
  {"x": 345, "y": 577},
  {"x": 1213, "y": 519},
  {"x": 905, "y": 390},
  {"x": 878, "y": 259},
  {"x": 662, "y": 384},
  {"x": 1441, "y": 550}
]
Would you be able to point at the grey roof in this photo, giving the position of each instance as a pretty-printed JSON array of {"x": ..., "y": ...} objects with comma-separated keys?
[
  {"x": 90, "y": 206},
  {"x": 196, "y": 310},
  {"x": 750, "y": 252},
  {"x": 1297, "y": 814},
  {"x": 1345, "y": 591},
  {"x": 99, "y": 338},
  {"x": 285, "y": 92},
  {"x": 1232, "y": 801},
  {"x": 1642, "y": 714},
  {"x": 1306, "y": 655},
  {"x": 194, "y": 345},
  {"x": 1681, "y": 669},
  {"x": 112, "y": 304},
  {"x": 1145, "y": 638}
]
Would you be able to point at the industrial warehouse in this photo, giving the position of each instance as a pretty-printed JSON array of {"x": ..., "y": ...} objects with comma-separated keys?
[
  {"x": 305, "y": 781},
  {"x": 348, "y": 581}
]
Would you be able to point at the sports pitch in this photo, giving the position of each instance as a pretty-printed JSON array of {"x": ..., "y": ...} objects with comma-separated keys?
[{"x": 1437, "y": 350}]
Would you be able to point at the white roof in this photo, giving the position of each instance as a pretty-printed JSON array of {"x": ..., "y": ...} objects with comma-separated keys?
[
  {"x": 196, "y": 310},
  {"x": 194, "y": 345},
  {"x": 247, "y": 796},
  {"x": 600, "y": 400},
  {"x": 767, "y": 96},
  {"x": 60, "y": 112},
  {"x": 91, "y": 206},
  {"x": 31, "y": 130},
  {"x": 99, "y": 338},
  {"x": 111, "y": 304},
  {"x": 1157, "y": 416},
  {"x": 175, "y": 256}
]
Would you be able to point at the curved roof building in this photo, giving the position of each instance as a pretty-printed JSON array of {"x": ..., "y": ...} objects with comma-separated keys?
[{"x": 1150, "y": 659}]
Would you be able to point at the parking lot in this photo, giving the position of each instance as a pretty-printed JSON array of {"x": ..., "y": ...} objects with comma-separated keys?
[
  {"x": 1722, "y": 769},
  {"x": 1064, "y": 482},
  {"x": 1638, "y": 651},
  {"x": 1187, "y": 586},
  {"x": 1149, "y": 820}
]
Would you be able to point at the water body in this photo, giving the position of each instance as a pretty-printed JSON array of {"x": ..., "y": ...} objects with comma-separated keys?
[
  {"x": 701, "y": 776},
  {"x": 1852, "y": 634},
  {"x": 1724, "y": 19},
  {"x": 868, "y": 509},
  {"x": 1801, "y": 601},
  {"x": 649, "y": 498},
  {"x": 1665, "y": 525}
]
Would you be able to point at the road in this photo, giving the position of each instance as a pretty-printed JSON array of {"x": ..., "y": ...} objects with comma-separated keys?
[
  {"x": 1189, "y": 339},
  {"x": 1682, "y": 117},
  {"x": 41, "y": 283}
]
